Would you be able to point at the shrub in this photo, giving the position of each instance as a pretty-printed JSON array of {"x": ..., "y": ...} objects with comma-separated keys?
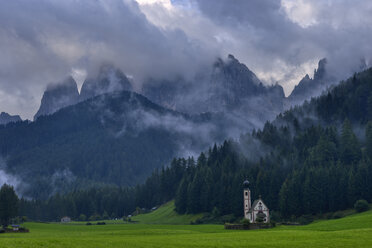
[
  {"x": 361, "y": 206},
  {"x": 24, "y": 219},
  {"x": 229, "y": 218},
  {"x": 329, "y": 216},
  {"x": 216, "y": 212},
  {"x": 105, "y": 216},
  {"x": 23, "y": 229},
  {"x": 245, "y": 222},
  {"x": 82, "y": 217},
  {"x": 275, "y": 216},
  {"x": 259, "y": 219},
  {"x": 338, "y": 215},
  {"x": 305, "y": 219},
  {"x": 95, "y": 217},
  {"x": 196, "y": 222}
]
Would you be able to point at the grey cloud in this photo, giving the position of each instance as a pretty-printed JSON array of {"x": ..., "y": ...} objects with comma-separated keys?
[
  {"x": 341, "y": 32},
  {"x": 196, "y": 134},
  {"x": 41, "y": 41}
]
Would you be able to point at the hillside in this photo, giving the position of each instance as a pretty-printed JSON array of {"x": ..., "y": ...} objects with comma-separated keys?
[
  {"x": 354, "y": 222},
  {"x": 117, "y": 138},
  {"x": 312, "y": 159},
  {"x": 166, "y": 214},
  {"x": 351, "y": 100}
]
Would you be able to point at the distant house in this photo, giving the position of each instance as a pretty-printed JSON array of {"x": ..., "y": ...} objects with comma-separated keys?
[
  {"x": 65, "y": 219},
  {"x": 258, "y": 211},
  {"x": 15, "y": 227}
]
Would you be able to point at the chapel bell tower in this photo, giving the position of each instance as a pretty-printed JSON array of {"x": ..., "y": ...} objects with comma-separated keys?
[{"x": 247, "y": 200}]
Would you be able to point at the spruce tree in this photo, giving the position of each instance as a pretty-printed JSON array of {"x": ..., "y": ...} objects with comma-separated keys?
[
  {"x": 8, "y": 204},
  {"x": 369, "y": 140},
  {"x": 181, "y": 197},
  {"x": 349, "y": 147}
]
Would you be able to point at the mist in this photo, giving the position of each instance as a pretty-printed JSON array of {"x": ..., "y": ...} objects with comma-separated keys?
[{"x": 6, "y": 178}]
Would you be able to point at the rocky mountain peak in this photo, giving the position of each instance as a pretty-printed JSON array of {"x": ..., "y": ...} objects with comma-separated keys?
[
  {"x": 232, "y": 68},
  {"x": 276, "y": 90},
  {"x": 309, "y": 87},
  {"x": 307, "y": 77},
  {"x": 320, "y": 73},
  {"x": 109, "y": 79},
  {"x": 57, "y": 96},
  {"x": 229, "y": 86},
  {"x": 231, "y": 81},
  {"x": 6, "y": 118}
]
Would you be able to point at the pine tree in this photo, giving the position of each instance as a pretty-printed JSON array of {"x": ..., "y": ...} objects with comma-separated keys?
[
  {"x": 8, "y": 204},
  {"x": 368, "y": 150},
  {"x": 369, "y": 108},
  {"x": 181, "y": 197},
  {"x": 349, "y": 147},
  {"x": 193, "y": 193}
]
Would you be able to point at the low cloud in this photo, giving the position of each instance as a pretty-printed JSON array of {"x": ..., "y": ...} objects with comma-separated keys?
[
  {"x": 9, "y": 179},
  {"x": 43, "y": 41},
  {"x": 190, "y": 133}
]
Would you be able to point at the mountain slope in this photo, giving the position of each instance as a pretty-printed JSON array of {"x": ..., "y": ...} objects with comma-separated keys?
[
  {"x": 117, "y": 138},
  {"x": 303, "y": 163},
  {"x": 109, "y": 79},
  {"x": 351, "y": 99},
  {"x": 227, "y": 87},
  {"x": 166, "y": 214},
  {"x": 314, "y": 158}
]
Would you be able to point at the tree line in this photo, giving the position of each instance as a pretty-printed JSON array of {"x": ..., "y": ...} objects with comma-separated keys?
[{"x": 328, "y": 172}]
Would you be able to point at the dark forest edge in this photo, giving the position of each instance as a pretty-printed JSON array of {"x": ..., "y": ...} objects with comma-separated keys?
[{"x": 313, "y": 159}]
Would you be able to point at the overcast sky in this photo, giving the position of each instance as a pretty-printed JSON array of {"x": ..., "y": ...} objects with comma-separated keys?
[{"x": 43, "y": 41}]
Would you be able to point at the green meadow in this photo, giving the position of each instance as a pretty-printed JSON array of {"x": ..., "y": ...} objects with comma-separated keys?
[
  {"x": 166, "y": 215},
  {"x": 351, "y": 231}
]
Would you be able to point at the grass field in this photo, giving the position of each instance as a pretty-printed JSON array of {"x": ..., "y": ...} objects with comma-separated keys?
[
  {"x": 351, "y": 231},
  {"x": 166, "y": 215}
]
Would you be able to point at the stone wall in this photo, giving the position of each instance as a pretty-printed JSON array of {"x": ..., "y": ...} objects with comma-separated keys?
[{"x": 251, "y": 226}]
